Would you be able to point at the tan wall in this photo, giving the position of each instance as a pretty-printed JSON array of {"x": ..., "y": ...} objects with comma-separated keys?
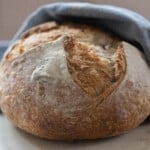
[{"x": 13, "y": 12}]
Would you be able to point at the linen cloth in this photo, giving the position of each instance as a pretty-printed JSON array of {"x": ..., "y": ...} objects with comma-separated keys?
[{"x": 127, "y": 24}]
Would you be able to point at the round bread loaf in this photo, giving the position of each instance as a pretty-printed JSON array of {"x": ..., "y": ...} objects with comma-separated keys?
[{"x": 73, "y": 81}]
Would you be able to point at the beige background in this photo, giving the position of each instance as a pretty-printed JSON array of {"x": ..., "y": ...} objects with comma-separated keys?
[{"x": 13, "y": 12}]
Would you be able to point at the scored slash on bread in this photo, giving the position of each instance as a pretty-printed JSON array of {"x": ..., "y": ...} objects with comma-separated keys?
[{"x": 95, "y": 73}]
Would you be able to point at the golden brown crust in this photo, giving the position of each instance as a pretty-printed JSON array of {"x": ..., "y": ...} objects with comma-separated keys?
[{"x": 70, "y": 103}]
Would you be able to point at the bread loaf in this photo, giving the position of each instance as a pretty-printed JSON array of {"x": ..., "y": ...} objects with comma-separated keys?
[{"x": 73, "y": 81}]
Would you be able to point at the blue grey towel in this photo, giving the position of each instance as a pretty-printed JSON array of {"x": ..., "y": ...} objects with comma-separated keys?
[
  {"x": 125, "y": 23},
  {"x": 3, "y": 47}
]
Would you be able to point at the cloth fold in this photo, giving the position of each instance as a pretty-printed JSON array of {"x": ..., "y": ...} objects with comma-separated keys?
[{"x": 127, "y": 24}]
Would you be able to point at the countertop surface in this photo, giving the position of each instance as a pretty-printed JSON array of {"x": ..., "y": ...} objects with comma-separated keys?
[{"x": 12, "y": 138}]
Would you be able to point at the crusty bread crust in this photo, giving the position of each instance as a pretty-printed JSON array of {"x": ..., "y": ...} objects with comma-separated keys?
[{"x": 73, "y": 81}]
